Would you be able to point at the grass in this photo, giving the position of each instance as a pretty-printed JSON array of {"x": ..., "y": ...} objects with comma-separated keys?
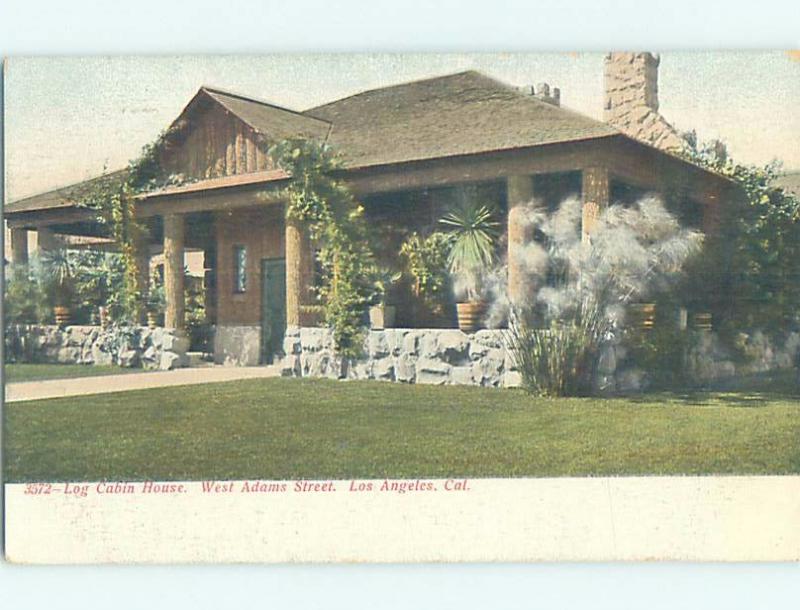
[
  {"x": 293, "y": 429},
  {"x": 13, "y": 373}
]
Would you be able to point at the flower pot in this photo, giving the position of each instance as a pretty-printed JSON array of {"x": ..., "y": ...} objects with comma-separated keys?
[
  {"x": 382, "y": 316},
  {"x": 702, "y": 321},
  {"x": 62, "y": 315},
  {"x": 152, "y": 319},
  {"x": 470, "y": 315},
  {"x": 103, "y": 315},
  {"x": 642, "y": 315}
]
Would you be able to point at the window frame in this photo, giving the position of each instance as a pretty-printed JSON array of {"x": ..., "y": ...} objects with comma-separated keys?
[{"x": 239, "y": 269}]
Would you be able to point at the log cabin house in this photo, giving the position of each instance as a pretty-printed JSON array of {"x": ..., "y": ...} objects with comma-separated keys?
[{"x": 405, "y": 148}]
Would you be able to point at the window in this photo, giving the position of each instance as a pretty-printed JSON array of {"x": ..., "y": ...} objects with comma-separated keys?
[{"x": 239, "y": 269}]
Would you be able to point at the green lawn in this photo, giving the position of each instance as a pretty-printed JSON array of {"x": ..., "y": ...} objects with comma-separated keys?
[
  {"x": 39, "y": 372},
  {"x": 291, "y": 429}
]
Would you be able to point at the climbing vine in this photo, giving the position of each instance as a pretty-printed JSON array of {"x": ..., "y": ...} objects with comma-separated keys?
[
  {"x": 337, "y": 228},
  {"x": 113, "y": 197}
]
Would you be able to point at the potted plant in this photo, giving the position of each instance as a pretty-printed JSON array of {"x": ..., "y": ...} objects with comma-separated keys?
[
  {"x": 426, "y": 263},
  {"x": 58, "y": 267},
  {"x": 474, "y": 233},
  {"x": 381, "y": 314},
  {"x": 154, "y": 304}
]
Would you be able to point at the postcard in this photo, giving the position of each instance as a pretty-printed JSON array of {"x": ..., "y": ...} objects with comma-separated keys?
[{"x": 402, "y": 308}]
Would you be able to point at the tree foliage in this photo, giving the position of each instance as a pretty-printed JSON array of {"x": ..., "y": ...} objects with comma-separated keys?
[
  {"x": 335, "y": 221},
  {"x": 760, "y": 245}
]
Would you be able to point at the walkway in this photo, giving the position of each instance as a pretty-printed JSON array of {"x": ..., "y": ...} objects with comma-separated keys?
[{"x": 82, "y": 386}]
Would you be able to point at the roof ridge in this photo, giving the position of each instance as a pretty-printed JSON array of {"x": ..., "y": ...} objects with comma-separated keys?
[
  {"x": 307, "y": 111},
  {"x": 255, "y": 100}
]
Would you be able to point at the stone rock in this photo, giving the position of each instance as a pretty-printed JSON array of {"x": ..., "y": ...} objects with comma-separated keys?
[
  {"x": 405, "y": 368},
  {"x": 395, "y": 338},
  {"x": 488, "y": 371},
  {"x": 453, "y": 346},
  {"x": 311, "y": 339},
  {"x": 101, "y": 356},
  {"x": 429, "y": 345},
  {"x": 128, "y": 358},
  {"x": 461, "y": 375},
  {"x": 360, "y": 370},
  {"x": 173, "y": 342},
  {"x": 292, "y": 345},
  {"x": 383, "y": 369},
  {"x": 377, "y": 346},
  {"x": 512, "y": 379},
  {"x": 490, "y": 338},
  {"x": 68, "y": 355},
  {"x": 169, "y": 361},
  {"x": 157, "y": 337},
  {"x": 411, "y": 343},
  {"x": 430, "y": 371},
  {"x": 477, "y": 350}
]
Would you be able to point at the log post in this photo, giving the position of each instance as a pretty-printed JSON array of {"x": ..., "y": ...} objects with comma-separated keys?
[
  {"x": 143, "y": 275},
  {"x": 596, "y": 194},
  {"x": 19, "y": 246},
  {"x": 173, "y": 271},
  {"x": 519, "y": 195},
  {"x": 47, "y": 240},
  {"x": 299, "y": 271}
]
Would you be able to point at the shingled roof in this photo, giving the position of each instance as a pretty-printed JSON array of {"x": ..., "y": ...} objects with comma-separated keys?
[
  {"x": 268, "y": 119},
  {"x": 459, "y": 114}
]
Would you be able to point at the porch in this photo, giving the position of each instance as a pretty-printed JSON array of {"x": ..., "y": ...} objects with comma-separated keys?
[{"x": 258, "y": 270}]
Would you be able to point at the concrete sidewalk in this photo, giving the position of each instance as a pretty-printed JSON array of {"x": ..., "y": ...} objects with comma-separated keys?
[{"x": 83, "y": 386}]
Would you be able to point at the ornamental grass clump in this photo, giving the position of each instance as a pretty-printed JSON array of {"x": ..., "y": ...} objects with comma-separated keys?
[{"x": 579, "y": 288}]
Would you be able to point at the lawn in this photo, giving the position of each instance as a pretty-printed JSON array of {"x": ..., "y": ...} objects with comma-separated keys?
[
  {"x": 292, "y": 429},
  {"x": 13, "y": 373}
]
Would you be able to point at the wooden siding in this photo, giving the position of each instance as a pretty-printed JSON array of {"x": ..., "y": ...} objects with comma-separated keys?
[
  {"x": 261, "y": 231},
  {"x": 216, "y": 143}
]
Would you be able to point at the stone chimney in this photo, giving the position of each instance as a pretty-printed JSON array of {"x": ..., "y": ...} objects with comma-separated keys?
[
  {"x": 631, "y": 100},
  {"x": 543, "y": 92}
]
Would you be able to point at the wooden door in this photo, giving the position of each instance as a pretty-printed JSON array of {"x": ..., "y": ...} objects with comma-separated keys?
[{"x": 273, "y": 307}]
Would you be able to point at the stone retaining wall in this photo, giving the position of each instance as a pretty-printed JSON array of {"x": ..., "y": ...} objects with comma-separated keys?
[
  {"x": 449, "y": 356},
  {"x": 430, "y": 356},
  {"x": 126, "y": 346}
]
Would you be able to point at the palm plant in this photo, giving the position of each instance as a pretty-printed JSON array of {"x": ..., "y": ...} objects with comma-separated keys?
[
  {"x": 474, "y": 233},
  {"x": 58, "y": 267}
]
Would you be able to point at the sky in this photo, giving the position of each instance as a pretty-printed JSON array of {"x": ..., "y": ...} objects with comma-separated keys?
[{"x": 67, "y": 119}]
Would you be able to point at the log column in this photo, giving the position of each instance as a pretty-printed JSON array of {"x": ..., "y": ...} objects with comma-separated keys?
[
  {"x": 143, "y": 275},
  {"x": 173, "y": 271},
  {"x": 47, "y": 240},
  {"x": 19, "y": 246},
  {"x": 519, "y": 194},
  {"x": 596, "y": 194},
  {"x": 299, "y": 271}
]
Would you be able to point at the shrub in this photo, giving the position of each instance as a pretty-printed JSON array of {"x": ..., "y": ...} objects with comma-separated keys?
[
  {"x": 579, "y": 288},
  {"x": 558, "y": 360}
]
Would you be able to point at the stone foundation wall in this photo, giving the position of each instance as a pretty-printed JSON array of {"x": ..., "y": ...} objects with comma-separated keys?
[
  {"x": 429, "y": 356},
  {"x": 449, "y": 356},
  {"x": 126, "y": 346},
  {"x": 237, "y": 345}
]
